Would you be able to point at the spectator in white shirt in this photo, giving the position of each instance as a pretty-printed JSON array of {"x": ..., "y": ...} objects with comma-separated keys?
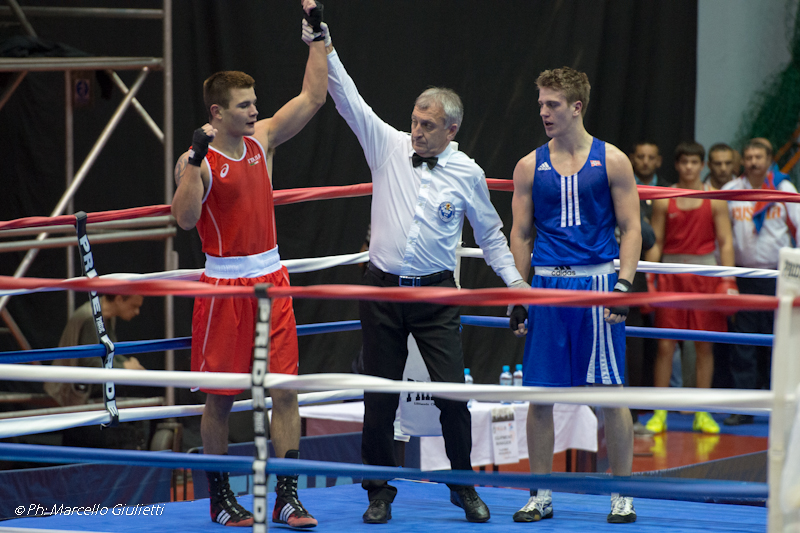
[{"x": 760, "y": 230}]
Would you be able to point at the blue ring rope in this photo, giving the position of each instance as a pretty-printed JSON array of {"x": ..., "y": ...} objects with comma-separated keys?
[
  {"x": 328, "y": 327},
  {"x": 639, "y": 486},
  {"x": 180, "y": 343},
  {"x": 94, "y": 350},
  {"x": 752, "y": 339}
]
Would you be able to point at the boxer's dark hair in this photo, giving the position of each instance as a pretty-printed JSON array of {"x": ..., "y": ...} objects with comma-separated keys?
[
  {"x": 217, "y": 88},
  {"x": 690, "y": 148}
]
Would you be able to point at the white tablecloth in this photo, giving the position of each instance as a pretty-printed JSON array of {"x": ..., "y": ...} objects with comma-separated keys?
[{"x": 575, "y": 428}]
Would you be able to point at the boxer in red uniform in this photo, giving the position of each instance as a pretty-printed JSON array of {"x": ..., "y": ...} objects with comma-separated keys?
[
  {"x": 224, "y": 189},
  {"x": 687, "y": 231}
]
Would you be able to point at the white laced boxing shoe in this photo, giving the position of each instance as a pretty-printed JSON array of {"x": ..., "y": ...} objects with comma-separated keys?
[
  {"x": 539, "y": 507},
  {"x": 622, "y": 511}
]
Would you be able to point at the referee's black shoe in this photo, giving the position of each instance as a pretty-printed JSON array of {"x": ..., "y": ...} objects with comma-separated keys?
[
  {"x": 468, "y": 499},
  {"x": 378, "y": 512}
]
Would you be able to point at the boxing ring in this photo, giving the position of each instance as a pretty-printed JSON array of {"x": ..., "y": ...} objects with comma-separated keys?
[{"x": 663, "y": 504}]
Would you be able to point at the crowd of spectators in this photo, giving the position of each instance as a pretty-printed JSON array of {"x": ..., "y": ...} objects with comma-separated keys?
[{"x": 709, "y": 232}]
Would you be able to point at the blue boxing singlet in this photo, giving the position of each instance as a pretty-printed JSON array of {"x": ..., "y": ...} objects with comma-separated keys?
[{"x": 573, "y": 215}]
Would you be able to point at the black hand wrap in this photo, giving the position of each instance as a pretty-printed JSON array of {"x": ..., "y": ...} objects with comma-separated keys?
[
  {"x": 199, "y": 147},
  {"x": 623, "y": 285},
  {"x": 314, "y": 19},
  {"x": 518, "y": 316}
]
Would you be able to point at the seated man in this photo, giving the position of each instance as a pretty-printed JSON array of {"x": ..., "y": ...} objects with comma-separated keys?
[{"x": 80, "y": 330}]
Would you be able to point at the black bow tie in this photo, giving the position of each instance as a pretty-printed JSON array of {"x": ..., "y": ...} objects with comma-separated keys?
[{"x": 417, "y": 160}]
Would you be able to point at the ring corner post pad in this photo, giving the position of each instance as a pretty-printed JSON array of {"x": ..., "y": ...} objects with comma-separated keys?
[
  {"x": 88, "y": 266},
  {"x": 260, "y": 440},
  {"x": 785, "y": 377}
]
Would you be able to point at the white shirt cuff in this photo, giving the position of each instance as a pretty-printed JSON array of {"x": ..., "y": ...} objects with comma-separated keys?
[{"x": 510, "y": 274}]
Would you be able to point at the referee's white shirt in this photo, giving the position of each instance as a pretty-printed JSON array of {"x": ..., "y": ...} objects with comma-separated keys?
[{"x": 417, "y": 213}]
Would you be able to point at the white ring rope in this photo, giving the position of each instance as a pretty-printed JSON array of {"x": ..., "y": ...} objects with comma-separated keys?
[
  {"x": 15, "y": 427},
  {"x": 672, "y": 268},
  {"x": 312, "y": 264},
  {"x": 702, "y": 270},
  {"x": 154, "y": 378},
  {"x": 297, "y": 266},
  {"x": 294, "y": 266},
  {"x": 733, "y": 401}
]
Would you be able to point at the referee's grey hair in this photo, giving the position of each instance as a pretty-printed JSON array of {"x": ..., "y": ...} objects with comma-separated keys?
[{"x": 447, "y": 99}]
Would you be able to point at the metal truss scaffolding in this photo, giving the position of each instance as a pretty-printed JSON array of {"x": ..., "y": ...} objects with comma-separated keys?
[{"x": 144, "y": 65}]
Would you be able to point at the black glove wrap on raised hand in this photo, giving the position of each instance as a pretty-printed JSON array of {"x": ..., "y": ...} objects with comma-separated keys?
[
  {"x": 518, "y": 316},
  {"x": 199, "y": 147},
  {"x": 623, "y": 285},
  {"x": 314, "y": 19}
]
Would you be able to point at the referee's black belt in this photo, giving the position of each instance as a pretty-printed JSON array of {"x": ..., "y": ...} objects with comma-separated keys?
[{"x": 411, "y": 281}]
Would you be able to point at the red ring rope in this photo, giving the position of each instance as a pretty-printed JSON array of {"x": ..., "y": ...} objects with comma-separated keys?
[
  {"x": 290, "y": 196},
  {"x": 477, "y": 297}
]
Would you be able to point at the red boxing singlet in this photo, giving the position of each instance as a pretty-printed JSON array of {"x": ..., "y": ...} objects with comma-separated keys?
[
  {"x": 238, "y": 216},
  {"x": 690, "y": 232}
]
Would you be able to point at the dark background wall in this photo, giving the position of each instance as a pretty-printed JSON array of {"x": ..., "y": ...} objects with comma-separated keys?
[{"x": 640, "y": 58}]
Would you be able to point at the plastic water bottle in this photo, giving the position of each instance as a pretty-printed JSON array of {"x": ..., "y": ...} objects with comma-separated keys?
[
  {"x": 517, "y": 381},
  {"x": 506, "y": 378},
  {"x": 469, "y": 381}
]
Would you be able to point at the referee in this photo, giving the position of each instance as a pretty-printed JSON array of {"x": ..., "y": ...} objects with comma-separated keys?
[{"x": 423, "y": 187}]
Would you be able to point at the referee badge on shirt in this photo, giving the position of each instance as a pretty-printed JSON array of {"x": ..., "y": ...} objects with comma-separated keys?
[{"x": 446, "y": 211}]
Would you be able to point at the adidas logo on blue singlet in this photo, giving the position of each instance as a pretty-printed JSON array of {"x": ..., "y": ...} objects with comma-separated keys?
[
  {"x": 544, "y": 166},
  {"x": 563, "y": 271}
]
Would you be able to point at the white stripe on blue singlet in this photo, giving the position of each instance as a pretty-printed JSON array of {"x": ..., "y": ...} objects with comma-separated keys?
[
  {"x": 570, "y": 220},
  {"x": 570, "y": 206}
]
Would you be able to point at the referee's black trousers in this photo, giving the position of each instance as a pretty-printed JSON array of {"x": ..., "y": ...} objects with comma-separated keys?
[{"x": 385, "y": 327}]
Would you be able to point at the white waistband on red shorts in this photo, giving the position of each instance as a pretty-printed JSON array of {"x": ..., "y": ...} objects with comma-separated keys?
[
  {"x": 580, "y": 271},
  {"x": 690, "y": 259},
  {"x": 243, "y": 266}
]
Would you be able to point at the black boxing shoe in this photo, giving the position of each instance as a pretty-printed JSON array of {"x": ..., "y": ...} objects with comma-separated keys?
[
  {"x": 474, "y": 508},
  {"x": 225, "y": 509},
  {"x": 288, "y": 509}
]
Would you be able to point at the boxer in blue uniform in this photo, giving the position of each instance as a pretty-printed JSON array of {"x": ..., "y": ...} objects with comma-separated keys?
[{"x": 574, "y": 191}]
